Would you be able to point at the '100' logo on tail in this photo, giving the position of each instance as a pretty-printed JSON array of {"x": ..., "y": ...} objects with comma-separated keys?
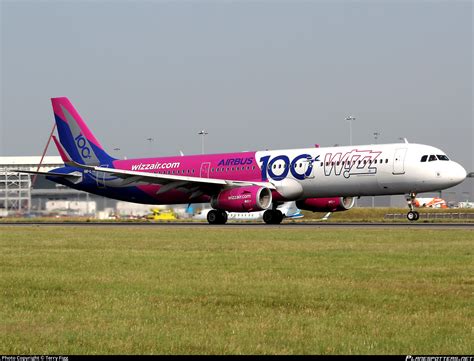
[{"x": 81, "y": 144}]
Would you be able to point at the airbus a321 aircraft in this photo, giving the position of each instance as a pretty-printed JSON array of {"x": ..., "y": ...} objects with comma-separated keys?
[{"x": 318, "y": 179}]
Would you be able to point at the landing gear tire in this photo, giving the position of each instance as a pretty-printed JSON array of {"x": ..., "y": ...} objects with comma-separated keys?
[
  {"x": 217, "y": 217},
  {"x": 272, "y": 217},
  {"x": 413, "y": 216},
  {"x": 223, "y": 217}
]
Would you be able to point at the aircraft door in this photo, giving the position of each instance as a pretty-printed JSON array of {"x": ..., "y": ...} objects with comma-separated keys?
[
  {"x": 205, "y": 167},
  {"x": 309, "y": 168},
  {"x": 399, "y": 161},
  {"x": 100, "y": 177}
]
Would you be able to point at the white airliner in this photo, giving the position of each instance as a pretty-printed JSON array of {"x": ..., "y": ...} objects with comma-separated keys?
[
  {"x": 318, "y": 179},
  {"x": 430, "y": 202}
]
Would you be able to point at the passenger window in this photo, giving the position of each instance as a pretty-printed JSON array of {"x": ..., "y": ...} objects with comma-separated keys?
[
  {"x": 432, "y": 158},
  {"x": 424, "y": 158}
]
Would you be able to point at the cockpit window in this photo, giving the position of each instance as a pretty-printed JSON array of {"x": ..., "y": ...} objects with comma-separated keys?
[
  {"x": 432, "y": 158},
  {"x": 424, "y": 158},
  {"x": 442, "y": 157}
]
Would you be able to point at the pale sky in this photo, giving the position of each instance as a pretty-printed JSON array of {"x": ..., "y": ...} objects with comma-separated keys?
[{"x": 254, "y": 75}]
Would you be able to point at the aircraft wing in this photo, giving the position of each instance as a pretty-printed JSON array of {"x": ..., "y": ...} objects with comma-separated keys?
[
  {"x": 71, "y": 176},
  {"x": 168, "y": 181}
]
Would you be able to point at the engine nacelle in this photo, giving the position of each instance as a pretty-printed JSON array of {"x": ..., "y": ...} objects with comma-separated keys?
[
  {"x": 335, "y": 204},
  {"x": 243, "y": 199}
]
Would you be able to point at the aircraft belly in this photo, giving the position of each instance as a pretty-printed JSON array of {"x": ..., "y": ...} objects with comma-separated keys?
[
  {"x": 389, "y": 183},
  {"x": 332, "y": 186}
]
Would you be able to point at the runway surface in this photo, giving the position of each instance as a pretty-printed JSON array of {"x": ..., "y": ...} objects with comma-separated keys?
[{"x": 253, "y": 225}]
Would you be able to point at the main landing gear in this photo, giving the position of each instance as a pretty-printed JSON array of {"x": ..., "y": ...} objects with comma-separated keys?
[
  {"x": 272, "y": 216},
  {"x": 412, "y": 215},
  {"x": 216, "y": 216}
]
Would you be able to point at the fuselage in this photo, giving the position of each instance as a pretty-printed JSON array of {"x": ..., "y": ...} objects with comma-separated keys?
[{"x": 365, "y": 170}]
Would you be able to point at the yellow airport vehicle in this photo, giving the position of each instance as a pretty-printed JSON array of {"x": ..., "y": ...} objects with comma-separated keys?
[{"x": 161, "y": 215}]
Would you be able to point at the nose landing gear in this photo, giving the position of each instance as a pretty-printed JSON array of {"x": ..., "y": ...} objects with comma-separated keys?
[{"x": 412, "y": 215}]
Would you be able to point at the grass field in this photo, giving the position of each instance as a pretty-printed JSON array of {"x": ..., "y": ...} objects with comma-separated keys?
[{"x": 145, "y": 290}]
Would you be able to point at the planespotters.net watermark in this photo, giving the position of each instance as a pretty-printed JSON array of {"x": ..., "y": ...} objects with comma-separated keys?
[{"x": 439, "y": 358}]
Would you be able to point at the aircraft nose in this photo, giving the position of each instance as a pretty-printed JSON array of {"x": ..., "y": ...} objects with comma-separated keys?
[{"x": 457, "y": 173}]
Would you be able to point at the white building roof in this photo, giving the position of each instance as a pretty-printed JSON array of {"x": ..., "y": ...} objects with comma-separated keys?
[
  {"x": 33, "y": 160},
  {"x": 30, "y": 163}
]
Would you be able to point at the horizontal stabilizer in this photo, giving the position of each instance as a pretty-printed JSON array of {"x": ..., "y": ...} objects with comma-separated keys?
[{"x": 74, "y": 177}]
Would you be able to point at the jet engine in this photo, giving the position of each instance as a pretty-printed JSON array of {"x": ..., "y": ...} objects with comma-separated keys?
[
  {"x": 243, "y": 199},
  {"x": 335, "y": 204}
]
